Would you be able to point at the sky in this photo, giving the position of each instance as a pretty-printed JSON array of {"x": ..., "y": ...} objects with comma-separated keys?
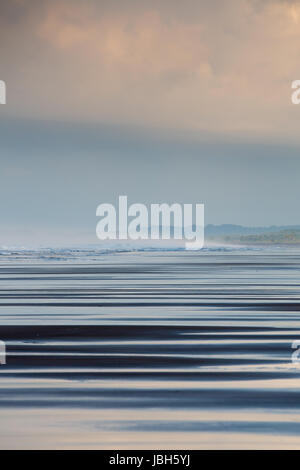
[{"x": 163, "y": 101}]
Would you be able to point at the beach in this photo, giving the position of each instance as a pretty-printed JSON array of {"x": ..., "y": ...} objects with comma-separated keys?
[{"x": 150, "y": 350}]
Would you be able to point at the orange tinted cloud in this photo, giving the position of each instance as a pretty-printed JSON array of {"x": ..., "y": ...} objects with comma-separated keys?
[{"x": 219, "y": 67}]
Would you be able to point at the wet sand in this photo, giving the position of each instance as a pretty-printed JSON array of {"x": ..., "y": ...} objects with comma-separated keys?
[{"x": 173, "y": 350}]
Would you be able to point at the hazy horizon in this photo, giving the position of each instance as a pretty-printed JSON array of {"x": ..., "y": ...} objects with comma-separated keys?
[{"x": 138, "y": 98}]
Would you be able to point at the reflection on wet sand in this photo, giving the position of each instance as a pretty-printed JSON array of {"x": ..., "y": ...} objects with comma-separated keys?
[{"x": 150, "y": 350}]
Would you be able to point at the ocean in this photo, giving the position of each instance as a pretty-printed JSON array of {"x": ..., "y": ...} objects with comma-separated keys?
[{"x": 150, "y": 349}]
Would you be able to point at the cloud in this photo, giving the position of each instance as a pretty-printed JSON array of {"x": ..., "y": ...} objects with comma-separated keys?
[{"x": 222, "y": 67}]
